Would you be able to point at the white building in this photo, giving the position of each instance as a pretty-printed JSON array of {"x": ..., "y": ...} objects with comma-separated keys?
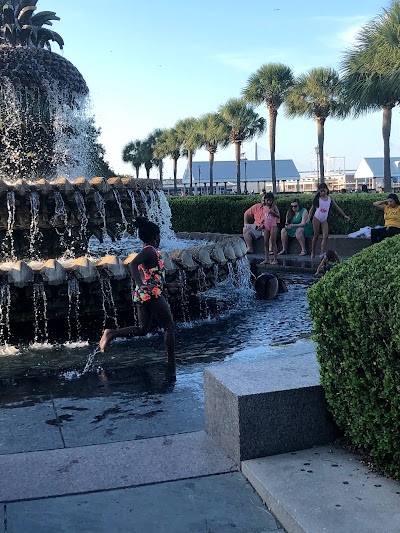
[
  {"x": 255, "y": 175},
  {"x": 370, "y": 173}
]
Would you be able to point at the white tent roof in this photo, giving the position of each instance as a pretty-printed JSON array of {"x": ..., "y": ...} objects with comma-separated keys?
[
  {"x": 372, "y": 167},
  {"x": 253, "y": 171}
]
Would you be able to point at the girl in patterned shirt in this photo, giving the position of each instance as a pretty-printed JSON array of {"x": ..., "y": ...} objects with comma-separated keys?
[{"x": 148, "y": 272}]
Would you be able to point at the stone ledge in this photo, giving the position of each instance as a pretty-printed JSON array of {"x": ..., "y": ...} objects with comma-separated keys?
[{"x": 273, "y": 407}]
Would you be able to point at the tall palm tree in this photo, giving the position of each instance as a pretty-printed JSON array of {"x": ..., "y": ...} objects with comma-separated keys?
[
  {"x": 317, "y": 94},
  {"x": 147, "y": 155},
  {"x": 371, "y": 74},
  {"x": 243, "y": 124},
  {"x": 270, "y": 84},
  {"x": 188, "y": 130},
  {"x": 153, "y": 138},
  {"x": 132, "y": 153},
  {"x": 169, "y": 143},
  {"x": 213, "y": 133}
]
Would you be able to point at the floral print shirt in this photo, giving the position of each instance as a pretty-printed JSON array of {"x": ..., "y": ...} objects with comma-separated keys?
[{"x": 153, "y": 280}]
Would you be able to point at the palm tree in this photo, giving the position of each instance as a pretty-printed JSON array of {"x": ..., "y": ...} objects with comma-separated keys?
[
  {"x": 147, "y": 155},
  {"x": 371, "y": 74},
  {"x": 152, "y": 139},
  {"x": 132, "y": 153},
  {"x": 242, "y": 124},
  {"x": 213, "y": 133},
  {"x": 269, "y": 84},
  {"x": 170, "y": 144},
  {"x": 317, "y": 94},
  {"x": 188, "y": 130}
]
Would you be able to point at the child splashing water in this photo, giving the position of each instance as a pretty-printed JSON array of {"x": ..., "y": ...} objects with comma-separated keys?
[
  {"x": 319, "y": 216},
  {"x": 148, "y": 271},
  {"x": 270, "y": 226}
]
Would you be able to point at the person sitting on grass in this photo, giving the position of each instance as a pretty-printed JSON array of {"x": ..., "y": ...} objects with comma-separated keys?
[
  {"x": 328, "y": 261},
  {"x": 391, "y": 210},
  {"x": 297, "y": 225}
]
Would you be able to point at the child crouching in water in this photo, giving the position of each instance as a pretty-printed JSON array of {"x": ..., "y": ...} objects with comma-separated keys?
[
  {"x": 328, "y": 261},
  {"x": 270, "y": 226}
]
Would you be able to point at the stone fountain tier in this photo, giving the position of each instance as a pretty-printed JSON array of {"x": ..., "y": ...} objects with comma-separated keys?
[
  {"x": 50, "y": 296},
  {"x": 46, "y": 219}
]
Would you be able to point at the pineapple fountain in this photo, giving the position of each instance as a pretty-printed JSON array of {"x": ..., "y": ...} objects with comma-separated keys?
[{"x": 45, "y": 215}]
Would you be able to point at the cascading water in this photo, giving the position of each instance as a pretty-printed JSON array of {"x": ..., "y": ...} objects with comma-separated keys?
[
  {"x": 165, "y": 218},
  {"x": 80, "y": 203},
  {"x": 145, "y": 204},
  {"x": 184, "y": 296},
  {"x": 40, "y": 312},
  {"x": 202, "y": 284},
  {"x": 107, "y": 300},
  {"x": 34, "y": 236},
  {"x": 74, "y": 294},
  {"x": 117, "y": 197},
  {"x": 5, "y": 306},
  {"x": 11, "y": 221},
  {"x": 101, "y": 206},
  {"x": 60, "y": 215}
]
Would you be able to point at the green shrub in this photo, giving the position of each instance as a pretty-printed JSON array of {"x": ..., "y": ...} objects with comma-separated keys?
[
  {"x": 356, "y": 312},
  {"x": 224, "y": 214}
]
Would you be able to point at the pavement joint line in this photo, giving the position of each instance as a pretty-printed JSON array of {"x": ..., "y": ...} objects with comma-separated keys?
[{"x": 58, "y": 419}]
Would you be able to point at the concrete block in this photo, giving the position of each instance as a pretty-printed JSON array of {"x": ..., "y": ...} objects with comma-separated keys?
[{"x": 267, "y": 408}]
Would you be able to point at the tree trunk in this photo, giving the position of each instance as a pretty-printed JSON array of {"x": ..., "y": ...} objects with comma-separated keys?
[
  {"x": 148, "y": 168},
  {"x": 321, "y": 133},
  {"x": 137, "y": 168},
  {"x": 190, "y": 169},
  {"x": 175, "y": 173},
  {"x": 238, "y": 145},
  {"x": 160, "y": 171},
  {"x": 272, "y": 136},
  {"x": 386, "y": 128},
  {"x": 211, "y": 161}
]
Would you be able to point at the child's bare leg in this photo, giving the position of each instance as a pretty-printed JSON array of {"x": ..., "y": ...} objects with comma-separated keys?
[
  {"x": 138, "y": 331},
  {"x": 266, "y": 247},
  {"x": 325, "y": 235},
  {"x": 274, "y": 246},
  {"x": 162, "y": 313},
  {"x": 316, "y": 227}
]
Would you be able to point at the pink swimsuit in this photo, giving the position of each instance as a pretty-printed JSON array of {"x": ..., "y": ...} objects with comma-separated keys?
[
  {"x": 322, "y": 211},
  {"x": 269, "y": 221}
]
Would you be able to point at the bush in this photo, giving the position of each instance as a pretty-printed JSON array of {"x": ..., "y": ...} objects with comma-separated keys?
[
  {"x": 224, "y": 214},
  {"x": 356, "y": 312}
]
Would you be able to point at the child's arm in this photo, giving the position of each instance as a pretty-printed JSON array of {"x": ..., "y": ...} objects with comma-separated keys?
[
  {"x": 311, "y": 213},
  {"x": 340, "y": 210},
  {"x": 320, "y": 266},
  {"x": 337, "y": 258},
  {"x": 380, "y": 205},
  {"x": 275, "y": 211}
]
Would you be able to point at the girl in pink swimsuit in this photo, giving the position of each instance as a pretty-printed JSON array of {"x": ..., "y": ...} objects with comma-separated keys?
[
  {"x": 319, "y": 216},
  {"x": 270, "y": 225}
]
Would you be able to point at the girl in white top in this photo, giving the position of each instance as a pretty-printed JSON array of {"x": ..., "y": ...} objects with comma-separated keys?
[{"x": 319, "y": 216}]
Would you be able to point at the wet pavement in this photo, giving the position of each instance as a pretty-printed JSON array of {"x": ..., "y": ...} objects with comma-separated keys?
[{"x": 124, "y": 448}]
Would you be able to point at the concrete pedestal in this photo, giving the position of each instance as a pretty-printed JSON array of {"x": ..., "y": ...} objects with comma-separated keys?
[{"x": 272, "y": 407}]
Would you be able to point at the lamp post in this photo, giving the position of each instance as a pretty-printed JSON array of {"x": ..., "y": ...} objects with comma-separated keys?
[
  {"x": 245, "y": 175},
  {"x": 317, "y": 154}
]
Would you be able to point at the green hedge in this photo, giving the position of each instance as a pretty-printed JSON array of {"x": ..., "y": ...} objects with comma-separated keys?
[
  {"x": 224, "y": 214},
  {"x": 356, "y": 312}
]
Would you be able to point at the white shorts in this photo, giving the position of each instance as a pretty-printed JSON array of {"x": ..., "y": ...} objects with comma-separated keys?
[{"x": 254, "y": 232}]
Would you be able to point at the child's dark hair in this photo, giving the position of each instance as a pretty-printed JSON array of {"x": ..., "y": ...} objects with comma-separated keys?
[
  {"x": 330, "y": 255},
  {"x": 148, "y": 231},
  {"x": 394, "y": 197},
  {"x": 269, "y": 196},
  {"x": 316, "y": 197}
]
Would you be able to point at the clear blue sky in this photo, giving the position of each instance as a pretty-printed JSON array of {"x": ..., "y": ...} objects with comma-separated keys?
[{"x": 149, "y": 64}]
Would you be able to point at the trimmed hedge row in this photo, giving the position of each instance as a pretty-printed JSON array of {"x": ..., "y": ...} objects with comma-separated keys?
[
  {"x": 356, "y": 312},
  {"x": 224, "y": 214}
]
